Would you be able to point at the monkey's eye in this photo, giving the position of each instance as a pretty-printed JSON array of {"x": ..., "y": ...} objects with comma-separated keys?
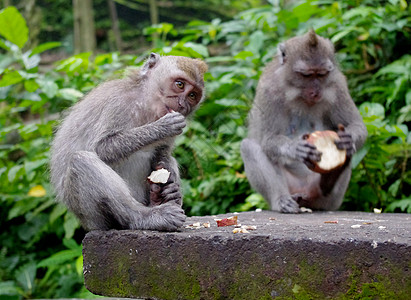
[
  {"x": 306, "y": 75},
  {"x": 180, "y": 84},
  {"x": 192, "y": 96},
  {"x": 321, "y": 74}
]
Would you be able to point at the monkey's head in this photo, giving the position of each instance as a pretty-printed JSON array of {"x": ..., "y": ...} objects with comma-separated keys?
[
  {"x": 175, "y": 82},
  {"x": 308, "y": 63}
]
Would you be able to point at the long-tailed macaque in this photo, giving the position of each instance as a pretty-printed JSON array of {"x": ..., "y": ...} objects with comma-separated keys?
[
  {"x": 301, "y": 91},
  {"x": 113, "y": 138}
]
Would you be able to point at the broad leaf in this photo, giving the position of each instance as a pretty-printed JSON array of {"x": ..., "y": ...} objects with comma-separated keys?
[{"x": 13, "y": 26}]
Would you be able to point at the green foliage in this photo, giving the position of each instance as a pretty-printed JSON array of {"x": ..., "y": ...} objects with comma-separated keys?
[{"x": 372, "y": 42}]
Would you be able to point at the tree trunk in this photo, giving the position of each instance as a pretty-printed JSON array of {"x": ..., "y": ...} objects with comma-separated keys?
[
  {"x": 116, "y": 34},
  {"x": 84, "y": 32},
  {"x": 32, "y": 14},
  {"x": 154, "y": 20}
]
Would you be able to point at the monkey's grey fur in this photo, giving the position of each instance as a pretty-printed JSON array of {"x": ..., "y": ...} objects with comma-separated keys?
[
  {"x": 109, "y": 142},
  {"x": 300, "y": 91}
]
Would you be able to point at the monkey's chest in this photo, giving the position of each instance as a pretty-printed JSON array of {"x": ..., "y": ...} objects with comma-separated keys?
[{"x": 300, "y": 125}]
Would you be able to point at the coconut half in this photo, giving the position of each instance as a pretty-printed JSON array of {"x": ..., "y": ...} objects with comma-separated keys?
[{"x": 331, "y": 157}]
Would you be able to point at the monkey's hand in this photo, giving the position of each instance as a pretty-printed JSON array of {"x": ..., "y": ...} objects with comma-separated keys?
[
  {"x": 307, "y": 153},
  {"x": 172, "y": 192},
  {"x": 345, "y": 141},
  {"x": 162, "y": 193},
  {"x": 155, "y": 194},
  {"x": 172, "y": 123}
]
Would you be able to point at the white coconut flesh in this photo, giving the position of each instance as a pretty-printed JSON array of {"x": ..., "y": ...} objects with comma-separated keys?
[
  {"x": 331, "y": 156},
  {"x": 159, "y": 176}
]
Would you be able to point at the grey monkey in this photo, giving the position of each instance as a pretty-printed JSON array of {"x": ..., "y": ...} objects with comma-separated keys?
[
  {"x": 300, "y": 91},
  {"x": 111, "y": 140}
]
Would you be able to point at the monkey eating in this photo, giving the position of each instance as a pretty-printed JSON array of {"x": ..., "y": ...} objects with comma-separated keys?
[
  {"x": 300, "y": 92},
  {"x": 112, "y": 140}
]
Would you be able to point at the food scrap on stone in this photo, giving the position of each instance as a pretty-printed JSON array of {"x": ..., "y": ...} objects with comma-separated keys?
[
  {"x": 305, "y": 210},
  {"x": 240, "y": 230},
  {"x": 331, "y": 222},
  {"x": 227, "y": 221},
  {"x": 198, "y": 225}
]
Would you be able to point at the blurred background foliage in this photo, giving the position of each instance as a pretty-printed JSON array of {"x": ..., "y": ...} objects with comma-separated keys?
[{"x": 40, "y": 77}]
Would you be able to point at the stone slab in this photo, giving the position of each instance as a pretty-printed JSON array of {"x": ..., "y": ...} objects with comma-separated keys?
[{"x": 335, "y": 255}]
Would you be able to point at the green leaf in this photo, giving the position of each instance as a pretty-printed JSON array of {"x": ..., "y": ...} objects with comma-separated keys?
[
  {"x": 57, "y": 212},
  {"x": 358, "y": 156},
  {"x": 48, "y": 86},
  {"x": 72, "y": 245},
  {"x": 404, "y": 205},
  {"x": 13, "y": 26},
  {"x": 70, "y": 225},
  {"x": 44, "y": 47},
  {"x": 368, "y": 109},
  {"x": 70, "y": 94},
  {"x": 79, "y": 265},
  {"x": 3, "y": 45},
  {"x": 13, "y": 172},
  {"x": 9, "y": 288},
  {"x": 31, "y": 85},
  {"x": 30, "y": 166},
  {"x": 243, "y": 55},
  {"x": 200, "y": 49},
  {"x": 25, "y": 276},
  {"x": 10, "y": 78},
  {"x": 256, "y": 42},
  {"x": 62, "y": 257}
]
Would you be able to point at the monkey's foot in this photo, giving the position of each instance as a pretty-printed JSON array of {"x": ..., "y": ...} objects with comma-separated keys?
[
  {"x": 302, "y": 199},
  {"x": 165, "y": 217},
  {"x": 288, "y": 205}
]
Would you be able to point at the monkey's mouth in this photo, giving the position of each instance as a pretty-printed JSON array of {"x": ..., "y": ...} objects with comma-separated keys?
[{"x": 169, "y": 109}]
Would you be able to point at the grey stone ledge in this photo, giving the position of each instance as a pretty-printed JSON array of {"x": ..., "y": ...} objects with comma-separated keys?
[{"x": 334, "y": 255}]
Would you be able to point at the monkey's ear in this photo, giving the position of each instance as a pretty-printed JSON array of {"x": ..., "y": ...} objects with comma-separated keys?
[
  {"x": 281, "y": 53},
  {"x": 150, "y": 63},
  {"x": 312, "y": 38}
]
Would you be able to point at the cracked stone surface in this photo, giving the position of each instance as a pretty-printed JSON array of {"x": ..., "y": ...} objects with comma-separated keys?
[{"x": 318, "y": 255}]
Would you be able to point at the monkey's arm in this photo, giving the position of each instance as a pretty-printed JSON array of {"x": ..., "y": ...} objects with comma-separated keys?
[
  {"x": 120, "y": 144},
  {"x": 278, "y": 146},
  {"x": 353, "y": 136}
]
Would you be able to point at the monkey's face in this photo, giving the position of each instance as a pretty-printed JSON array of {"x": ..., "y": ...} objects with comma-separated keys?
[
  {"x": 312, "y": 80},
  {"x": 176, "y": 82},
  {"x": 308, "y": 63},
  {"x": 182, "y": 95}
]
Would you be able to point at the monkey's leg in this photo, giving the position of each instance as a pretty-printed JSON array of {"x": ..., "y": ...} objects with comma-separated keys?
[
  {"x": 100, "y": 197},
  {"x": 267, "y": 178},
  {"x": 333, "y": 187}
]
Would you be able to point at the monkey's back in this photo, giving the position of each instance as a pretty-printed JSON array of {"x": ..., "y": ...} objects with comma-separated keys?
[{"x": 88, "y": 121}]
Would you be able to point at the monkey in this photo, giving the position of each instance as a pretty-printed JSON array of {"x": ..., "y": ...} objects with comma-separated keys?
[
  {"x": 302, "y": 90},
  {"x": 111, "y": 140}
]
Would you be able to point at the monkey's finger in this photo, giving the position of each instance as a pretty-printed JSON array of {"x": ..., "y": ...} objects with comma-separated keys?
[
  {"x": 309, "y": 164},
  {"x": 160, "y": 165},
  {"x": 155, "y": 188},
  {"x": 173, "y": 188},
  {"x": 174, "y": 197},
  {"x": 315, "y": 156}
]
